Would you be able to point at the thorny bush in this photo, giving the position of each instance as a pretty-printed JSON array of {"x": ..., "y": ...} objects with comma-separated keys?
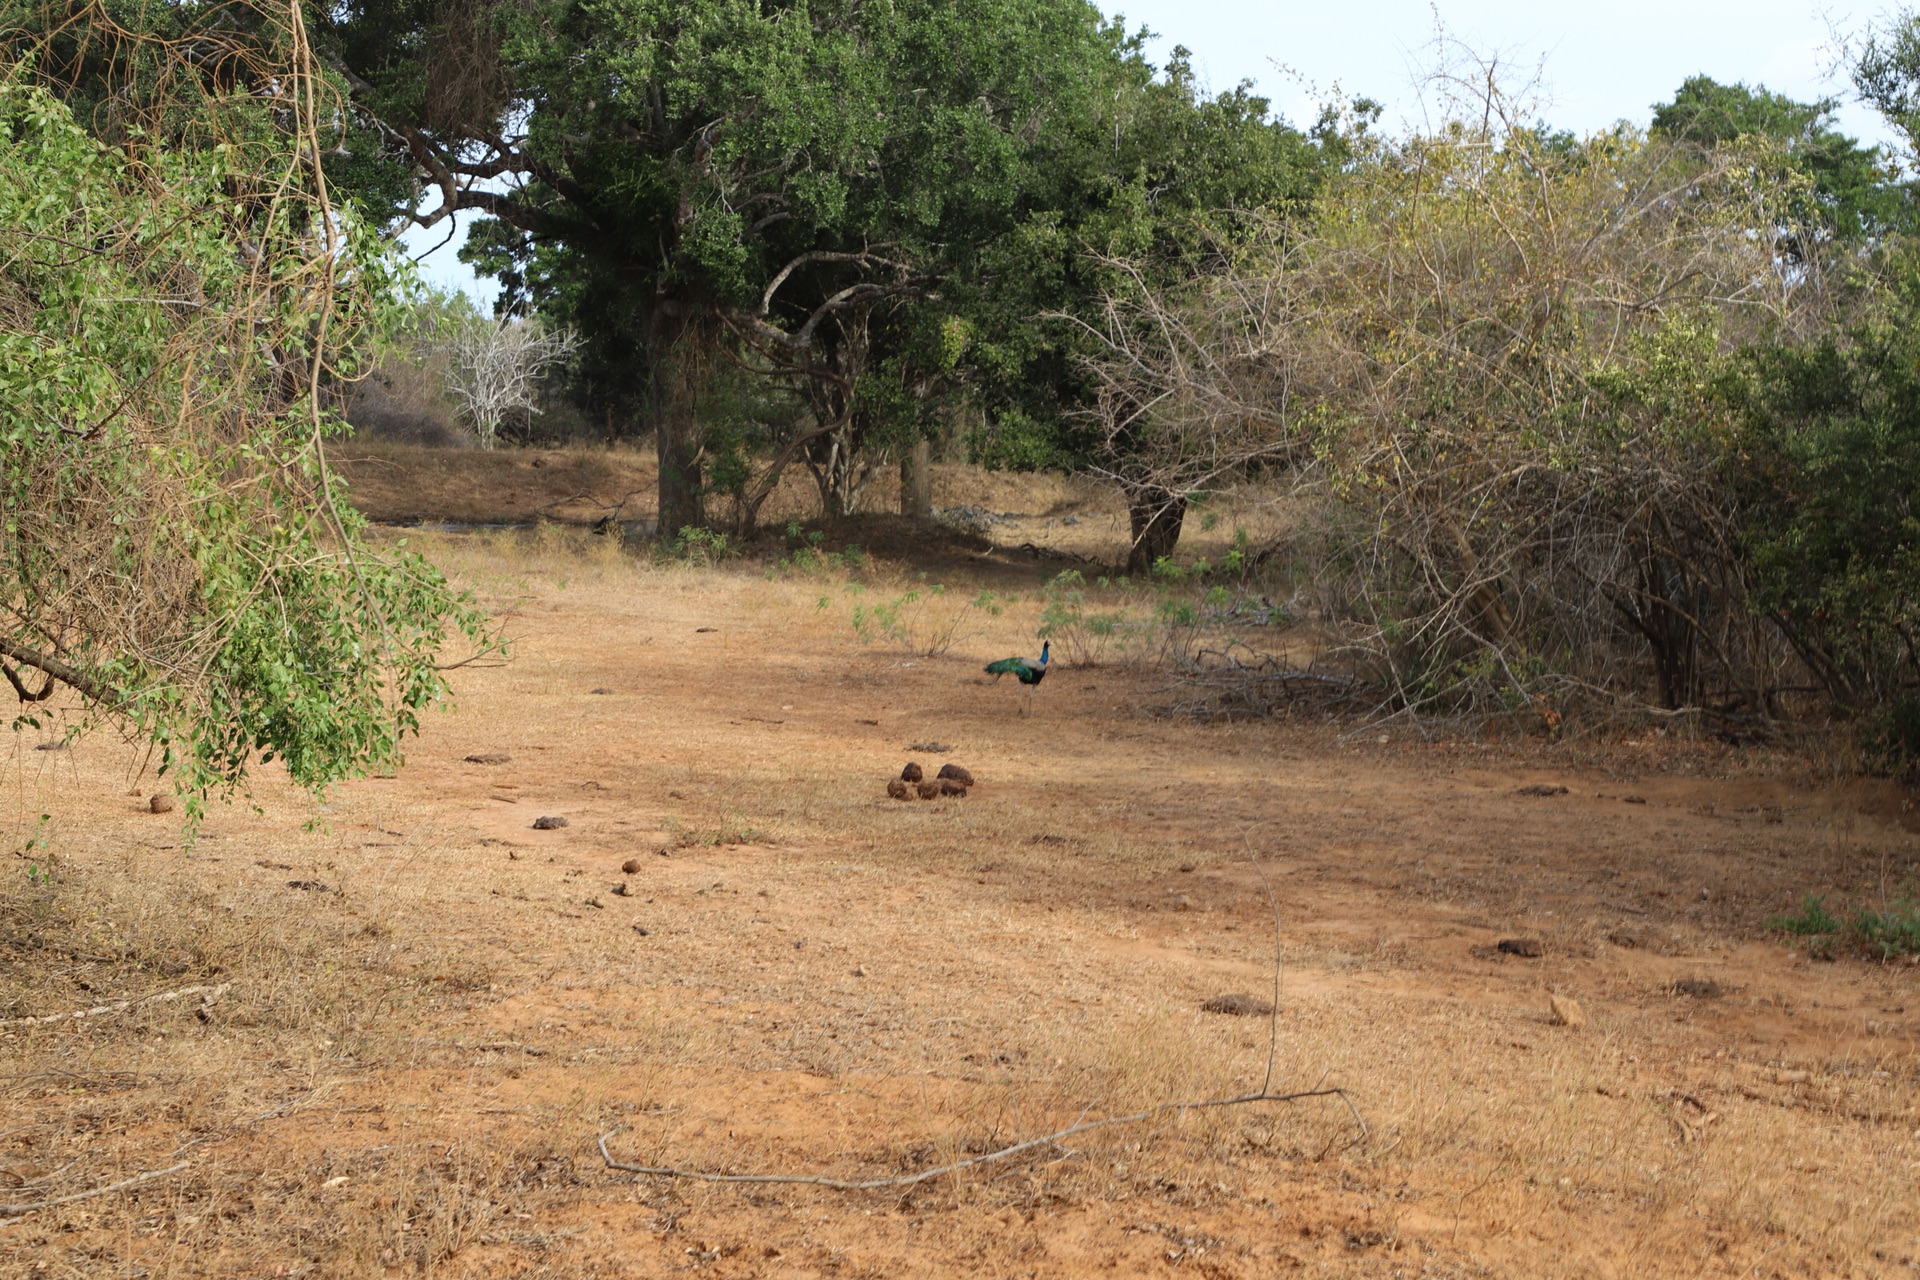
[{"x": 1556, "y": 434}]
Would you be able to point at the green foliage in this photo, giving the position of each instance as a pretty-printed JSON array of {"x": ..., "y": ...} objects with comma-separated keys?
[
  {"x": 890, "y": 209},
  {"x": 1233, "y": 564},
  {"x": 706, "y": 174},
  {"x": 1886, "y": 71},
  {"x": 1854, "y": 192},
  {"x": 700, "y": 546},
  {"x": 172, "y": 544},
  {"x": 1084, "y": 636},
  {"x": 1891, "y": 931},
  {"x": 1828, "y": 467},
  {"x": 805, "y": 557},
  {"x": 884, "y": 620},
  {"x": 1156, "y": 173},
  {"x": 1812, "y": 920}
]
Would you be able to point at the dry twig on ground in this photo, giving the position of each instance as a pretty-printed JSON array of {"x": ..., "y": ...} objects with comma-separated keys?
[
  {"x": 208, "y": 996},
  {"x": 1001, "y": 1153},
  {"x": 125, "y": 1184}
]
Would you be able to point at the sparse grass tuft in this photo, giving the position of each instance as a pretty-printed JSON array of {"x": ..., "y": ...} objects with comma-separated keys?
[{"x": 928, "y": 622}]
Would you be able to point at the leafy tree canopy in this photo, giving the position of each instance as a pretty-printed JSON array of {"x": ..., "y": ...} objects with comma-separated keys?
[
  {"x": 1855, "y": 192},
  {"x": 691, "y": 175},
  {"x": 884, "y": 204},
  {"x": 1165, "y": 179}
]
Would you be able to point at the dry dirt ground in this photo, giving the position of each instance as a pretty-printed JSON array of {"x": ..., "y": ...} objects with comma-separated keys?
[
  {"x": 433, "y": 1009},
  {"x": 1045, "y": 517}
]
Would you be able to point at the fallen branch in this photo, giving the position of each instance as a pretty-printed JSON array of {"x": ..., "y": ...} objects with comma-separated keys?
[
  {"x": 545, "y": 507},
  {"x": 28, "y": 1183},
  {"x": 127, "y": 1184},
  {"x": 208, "y": 996},
  {"x": 1002, "y": 1153}
]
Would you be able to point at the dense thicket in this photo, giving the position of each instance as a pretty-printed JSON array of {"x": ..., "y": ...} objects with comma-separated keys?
[{"x": 1623, "y": 420}]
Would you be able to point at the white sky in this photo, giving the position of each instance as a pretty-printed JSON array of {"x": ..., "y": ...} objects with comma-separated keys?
[{"x": 1603, "y": 61}]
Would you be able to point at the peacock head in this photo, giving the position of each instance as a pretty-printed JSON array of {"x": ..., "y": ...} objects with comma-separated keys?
[{"x": 1045, "y": 646}]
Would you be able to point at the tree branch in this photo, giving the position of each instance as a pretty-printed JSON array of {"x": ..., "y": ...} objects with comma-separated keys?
[
  {"x": 20, "y": 688},
  {"x": 816, "y": 255},
  {"x": 71, "y": 676}
]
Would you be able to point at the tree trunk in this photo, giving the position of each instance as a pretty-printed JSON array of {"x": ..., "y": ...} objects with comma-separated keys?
[
  {"x": 673, "y": 378},
  {"x": 841, "y": 470},
  {"x": 916, "y": 480},
  {"x": 1156, "y": 516}
]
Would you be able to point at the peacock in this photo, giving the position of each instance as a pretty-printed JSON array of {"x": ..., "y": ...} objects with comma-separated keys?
[{"x": 1029, "y": 672}]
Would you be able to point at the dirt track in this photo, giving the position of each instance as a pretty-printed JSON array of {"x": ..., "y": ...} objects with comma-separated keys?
[{"x": 805, "y": 976}]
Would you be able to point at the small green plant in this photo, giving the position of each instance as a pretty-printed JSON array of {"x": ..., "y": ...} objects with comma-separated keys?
[
  {"x": 735, "y": 831},
  {"x": 1236, "y": 560},
  {"x": 1233, "y": 564},
  {"x": 804, "y": 558},
  {"x": 1892, "y": 932},
  {"x": 1083, "y": 636},
  {"x": 1811, "y": 921},
  {"x": 701, "y": 546},
  {"x": 884, "y": 620},
  {"x": 38, "y": 852},
  {"x": 930, "y": 623}
]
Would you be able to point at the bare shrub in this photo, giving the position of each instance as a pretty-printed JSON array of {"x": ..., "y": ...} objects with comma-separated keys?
[
  {"x": 494, "y": 368},
  {"x": 1485, "y": 368}
]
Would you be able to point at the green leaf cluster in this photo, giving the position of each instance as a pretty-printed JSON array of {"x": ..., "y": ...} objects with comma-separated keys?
[{"x": 175, "y": 315}]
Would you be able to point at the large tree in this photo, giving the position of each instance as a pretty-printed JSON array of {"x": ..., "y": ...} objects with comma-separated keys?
[
  {"x": 686, "y": 180},
  {"x": 1153, "y": 193}
]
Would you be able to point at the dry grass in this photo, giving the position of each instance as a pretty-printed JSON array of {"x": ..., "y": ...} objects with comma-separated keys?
[{"x": 408, "y": 1071}]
